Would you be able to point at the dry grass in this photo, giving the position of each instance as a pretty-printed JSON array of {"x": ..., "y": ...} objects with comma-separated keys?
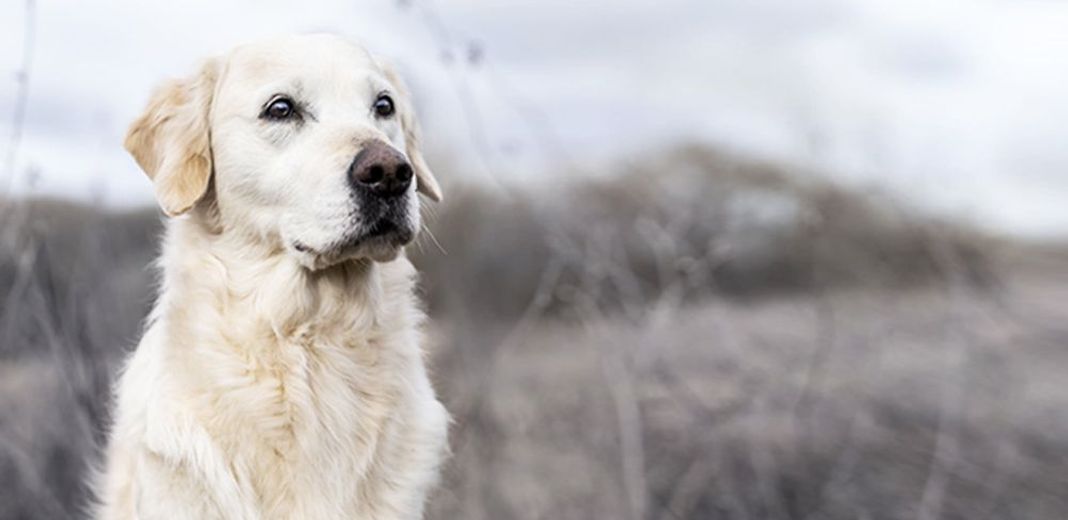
[
  {"x": 692, "y": 224},
  {"x": 845, "y": 405}
]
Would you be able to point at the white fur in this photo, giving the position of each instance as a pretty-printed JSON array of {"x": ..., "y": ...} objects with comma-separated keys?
[{"x": 274, "y": 382}]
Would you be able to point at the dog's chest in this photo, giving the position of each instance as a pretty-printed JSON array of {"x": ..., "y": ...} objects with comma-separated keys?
[{"x": 307, "y": 418}]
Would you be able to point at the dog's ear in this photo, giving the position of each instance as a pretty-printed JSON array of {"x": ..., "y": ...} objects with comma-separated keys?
[
  {"x": 425, "y": 182},
  {"x": 171, "y": 140}
]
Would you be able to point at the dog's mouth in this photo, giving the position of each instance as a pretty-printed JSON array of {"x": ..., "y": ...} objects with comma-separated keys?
[
  {"x": 384, "y": 231},
  {"x": 383, "y": 228},
  {"x": 380, "y": 241}
]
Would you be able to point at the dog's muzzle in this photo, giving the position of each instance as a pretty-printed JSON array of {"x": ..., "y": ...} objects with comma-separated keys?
[{"x": 381, "y": 179}]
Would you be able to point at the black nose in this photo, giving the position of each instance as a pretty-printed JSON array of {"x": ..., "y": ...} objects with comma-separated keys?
[{"x": 382, "y": 169}]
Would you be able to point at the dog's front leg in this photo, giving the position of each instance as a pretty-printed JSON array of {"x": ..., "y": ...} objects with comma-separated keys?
[{"x": 162, "y": 488}]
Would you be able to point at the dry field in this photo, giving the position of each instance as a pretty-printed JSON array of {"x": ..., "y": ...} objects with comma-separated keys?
[{"x": 704, "y": 337}]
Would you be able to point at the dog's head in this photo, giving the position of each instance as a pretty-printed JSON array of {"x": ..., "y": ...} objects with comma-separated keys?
[{"x": 308, "y": 143}]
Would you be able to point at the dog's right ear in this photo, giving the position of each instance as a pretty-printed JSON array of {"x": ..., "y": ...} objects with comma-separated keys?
[{"x": 171, "y": 140}]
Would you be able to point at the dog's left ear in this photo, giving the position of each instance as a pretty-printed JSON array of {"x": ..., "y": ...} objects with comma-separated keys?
[
  {"x": 425, "y": 182},
  {"x": 171, "y": 140}
]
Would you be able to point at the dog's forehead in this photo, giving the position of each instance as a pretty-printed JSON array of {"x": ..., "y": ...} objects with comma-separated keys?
[{"x": 310, "y": 60}]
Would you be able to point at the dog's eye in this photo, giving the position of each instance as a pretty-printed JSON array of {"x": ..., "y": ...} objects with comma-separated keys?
[
  {"x": 384, "y": 106},
  {"x": 279, "y": 109}
]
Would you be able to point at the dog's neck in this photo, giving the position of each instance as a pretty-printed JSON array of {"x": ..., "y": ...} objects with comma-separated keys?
[{"x": 215, "y": 274}]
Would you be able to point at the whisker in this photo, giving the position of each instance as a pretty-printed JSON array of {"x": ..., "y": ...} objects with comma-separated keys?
[{"x": 434, "y": 239}]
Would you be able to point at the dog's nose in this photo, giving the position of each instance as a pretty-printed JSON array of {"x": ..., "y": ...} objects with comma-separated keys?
[{"x": 382, "y": 169}]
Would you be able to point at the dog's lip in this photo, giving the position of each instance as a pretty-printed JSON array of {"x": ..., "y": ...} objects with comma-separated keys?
[
  {"x": 382, "y": 227},
  {"x": 383, "y": 230},
  {"x": 386, "y": 229}
]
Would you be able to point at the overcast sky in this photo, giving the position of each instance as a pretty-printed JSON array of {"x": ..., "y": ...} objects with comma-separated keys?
[{"x": 959, "y": 107}]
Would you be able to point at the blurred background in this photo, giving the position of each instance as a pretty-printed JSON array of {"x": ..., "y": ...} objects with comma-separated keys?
[{"x": 739, "y": 259}]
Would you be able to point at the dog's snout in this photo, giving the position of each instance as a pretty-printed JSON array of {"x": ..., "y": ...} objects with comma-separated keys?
[{"x": 382, "y": 169}]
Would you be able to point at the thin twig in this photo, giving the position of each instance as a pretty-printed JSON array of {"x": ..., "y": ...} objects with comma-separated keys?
[{"x": 22, "y": 94}]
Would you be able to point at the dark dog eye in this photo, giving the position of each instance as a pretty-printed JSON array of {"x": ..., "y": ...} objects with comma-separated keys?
[
  {"x": 384, "y": 106},
  {"x": 279, "y": 109}
]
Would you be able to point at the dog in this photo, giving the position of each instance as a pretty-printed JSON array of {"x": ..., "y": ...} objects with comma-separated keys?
[{"x": 280, "y": 374}]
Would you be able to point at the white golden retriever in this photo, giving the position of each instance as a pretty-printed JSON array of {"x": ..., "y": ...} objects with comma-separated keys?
[{"x": 280, "y": 374}]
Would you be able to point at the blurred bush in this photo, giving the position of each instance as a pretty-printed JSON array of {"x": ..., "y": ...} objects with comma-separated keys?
[{"x": 685, "y": 225}]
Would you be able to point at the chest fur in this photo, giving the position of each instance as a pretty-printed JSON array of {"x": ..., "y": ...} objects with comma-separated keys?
[{"x": 302, "y": 419}]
